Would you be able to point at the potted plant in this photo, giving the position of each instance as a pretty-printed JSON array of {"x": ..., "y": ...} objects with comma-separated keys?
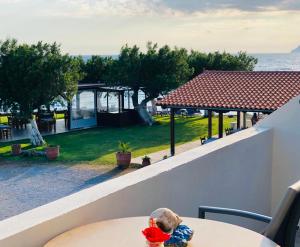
[
  {"x": 52, "y": 152},
  {"x": 146, "y": 161},
  {"x": 16, "y": 149},
  {"x": 124, "y": 155}
]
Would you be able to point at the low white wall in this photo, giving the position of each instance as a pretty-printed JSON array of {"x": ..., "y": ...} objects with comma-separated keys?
[
  {"x": 232, "y": 172},
  {"x": 285, "y": 123}
]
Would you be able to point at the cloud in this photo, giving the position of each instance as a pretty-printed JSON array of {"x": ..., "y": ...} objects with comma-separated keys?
[
  {"x": 166, "y": 7},
  {"x": 244, "y": 5},
  {"x": 182, "y": 6},
  {"x": 86, "y": 8}
]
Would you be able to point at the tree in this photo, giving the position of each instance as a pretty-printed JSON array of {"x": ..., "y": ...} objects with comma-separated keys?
[
  {"x": 126, "y": 71},
  {"x": 155, "y": 72},
  {"x": 96, "y": 69},
  {"x": 220, "y": 61},
  {"x": 163, "y": 70},
  {"x": 158, "y": 70},
  {"x": 34, "y": 75}
]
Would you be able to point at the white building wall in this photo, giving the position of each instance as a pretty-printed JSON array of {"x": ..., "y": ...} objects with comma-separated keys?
[
  {"x": 232, "y": 172},
  {"x": 285, "y": 123}
]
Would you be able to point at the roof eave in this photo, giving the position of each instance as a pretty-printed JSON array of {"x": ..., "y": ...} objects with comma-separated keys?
[{"x": 218, "y": 108}]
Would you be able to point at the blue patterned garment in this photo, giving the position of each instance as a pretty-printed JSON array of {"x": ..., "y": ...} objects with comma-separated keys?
[{"x": 180, "y": 237}]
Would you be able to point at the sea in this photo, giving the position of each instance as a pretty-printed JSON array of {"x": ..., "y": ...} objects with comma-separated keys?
[{"x": 277, "y": 62}]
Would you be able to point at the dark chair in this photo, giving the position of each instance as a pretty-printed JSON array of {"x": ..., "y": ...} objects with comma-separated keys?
[
  {"x": 46, "y": 121},
  {"x": 202, "y": 140},
  {"x": 5, "y": 132},
  {"x": 229, "y": 131},
  {"x": 282, "y": 227},
  {"x": 66, "y": 118}
]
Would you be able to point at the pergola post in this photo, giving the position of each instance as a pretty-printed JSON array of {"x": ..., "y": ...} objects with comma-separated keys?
[
  {"x": 244, "y": 119},
  {"x": 172, "y": 131},
  {"x": 128, "y": 99},
  {"x": 209, "y": 124},
  {"x": 107, "y": 101},
  {"x": 78, "y": 101},
  {"x": 96, "y": 100},
  {"x": 238, "y": 120},
  {"x": 122, "y": 102},
  {"x": 119, "y": 102},
  {"x": 220, "y": 124},
  {"x": 69, "y": 115}
]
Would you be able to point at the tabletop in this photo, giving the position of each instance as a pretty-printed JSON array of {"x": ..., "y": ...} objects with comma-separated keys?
[{"x": 126, "y": 232}]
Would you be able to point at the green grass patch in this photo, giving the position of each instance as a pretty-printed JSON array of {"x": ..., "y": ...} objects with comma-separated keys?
[
  {"x": 100, "y": 144},
  {"x": 59, "y": 116},
  {"x": 3, "y": 120}
]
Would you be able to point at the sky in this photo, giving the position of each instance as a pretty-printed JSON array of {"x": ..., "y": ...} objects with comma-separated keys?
[{"x": 103, "y": 26}]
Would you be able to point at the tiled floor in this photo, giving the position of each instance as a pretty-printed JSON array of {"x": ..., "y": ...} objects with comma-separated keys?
[{"x": 24, "y": 133}]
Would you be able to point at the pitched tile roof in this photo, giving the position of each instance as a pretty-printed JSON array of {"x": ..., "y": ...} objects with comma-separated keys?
[{"x": 258, "y": 90}]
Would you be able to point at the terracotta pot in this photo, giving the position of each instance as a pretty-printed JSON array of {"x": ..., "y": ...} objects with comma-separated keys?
[
  {"x": 146, "y": 162},
  {"x": 123, "y": 159},
  {"x": 16, "y": 149},
  {"x": 52, "y": 152}
]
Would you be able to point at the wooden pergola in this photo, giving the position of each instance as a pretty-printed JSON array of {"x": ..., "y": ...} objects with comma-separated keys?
[{"x": 224, "y": 91}]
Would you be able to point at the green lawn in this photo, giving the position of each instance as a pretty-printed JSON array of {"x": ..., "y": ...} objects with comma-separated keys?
[
  {"x": 99, "y": 145},
  {"x": 3, "y": 120}
]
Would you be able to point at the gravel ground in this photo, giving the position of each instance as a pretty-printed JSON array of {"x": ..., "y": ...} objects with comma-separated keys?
[{"x": 26, "y": 186}]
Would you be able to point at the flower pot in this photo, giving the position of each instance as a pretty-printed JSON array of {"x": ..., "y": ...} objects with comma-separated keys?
[
  {"x": 123, "y": 159},
  {"x": 146, "y": 162},
  {"x": 16, "y": 149},
  {"x": 52, "y": 152}
]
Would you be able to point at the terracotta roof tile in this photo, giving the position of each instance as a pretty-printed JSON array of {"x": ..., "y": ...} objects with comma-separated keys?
[{"x": 258, "y": 90}]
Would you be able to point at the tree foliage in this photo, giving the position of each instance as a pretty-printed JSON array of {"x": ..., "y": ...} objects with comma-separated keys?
[
  {"x": 96, "y": 69},
  {"x": 157, "y": 71},
  {"x": 154, "y": 72},
  {"x": 34, "y": 75},
  {"x": 220, "y": 61}
]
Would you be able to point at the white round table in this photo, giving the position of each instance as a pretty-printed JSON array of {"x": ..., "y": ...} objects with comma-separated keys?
[{"x": 126, "y": 232}]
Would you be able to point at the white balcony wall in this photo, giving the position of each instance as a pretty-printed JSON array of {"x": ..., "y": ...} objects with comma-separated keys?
[
  {"x": 233, "y": 172},
  {"x": 285, "y": 123}
]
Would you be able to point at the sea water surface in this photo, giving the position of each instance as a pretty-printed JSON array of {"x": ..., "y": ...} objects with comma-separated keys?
[{"x": 277, "y": 62}]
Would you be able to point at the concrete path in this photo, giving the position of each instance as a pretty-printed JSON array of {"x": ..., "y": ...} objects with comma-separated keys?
[
  {"x": 26, "y": 186},
  {"x": 158, "y": 156}
]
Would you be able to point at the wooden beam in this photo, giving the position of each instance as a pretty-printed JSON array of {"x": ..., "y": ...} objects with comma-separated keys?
[
  {"x": 238, "y": 119},
  {"x": 209, "y": 124},
  {"x": 69, "y": 115},
  {"x": 172, "y": 131},
  {"x": 96, "y": 101},
  {"x": 244, "y": 119},
  {"x": 220, "y": 124},
  {"x": 128, "y": 95},
  {"x": 122, "y": 98},
  {"x": 107, "y": 94},
  {"x": 119, "y": 101}
]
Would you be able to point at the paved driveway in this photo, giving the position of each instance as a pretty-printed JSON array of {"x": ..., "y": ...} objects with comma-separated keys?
[{"x": 24, "y": 187}]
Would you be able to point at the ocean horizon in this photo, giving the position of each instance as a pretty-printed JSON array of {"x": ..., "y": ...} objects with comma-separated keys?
[{"x": 266, "y": 61}]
